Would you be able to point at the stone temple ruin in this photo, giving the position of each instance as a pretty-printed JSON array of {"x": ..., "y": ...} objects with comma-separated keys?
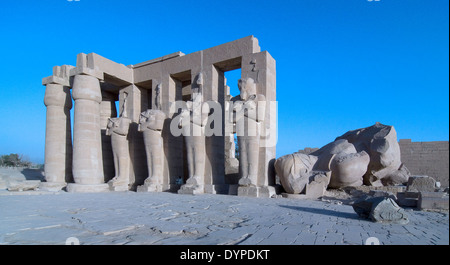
[
  {"x": 175, "y": 128},
  {"x": 160, "y": 137}
]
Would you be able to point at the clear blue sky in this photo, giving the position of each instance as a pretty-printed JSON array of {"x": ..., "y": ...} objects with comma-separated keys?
[{"x": 341, "y": 64}]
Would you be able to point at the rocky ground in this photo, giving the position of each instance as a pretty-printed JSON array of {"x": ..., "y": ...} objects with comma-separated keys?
[{"x": 123, "y": 218}]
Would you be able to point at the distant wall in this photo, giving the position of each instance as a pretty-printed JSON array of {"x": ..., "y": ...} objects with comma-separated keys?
[
  {"x": 427, "y": 158},
  {"x": 308, "y": 150}
]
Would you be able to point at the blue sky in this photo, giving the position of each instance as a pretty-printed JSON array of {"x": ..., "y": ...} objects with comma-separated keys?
[{"x": 341, "y": 64}]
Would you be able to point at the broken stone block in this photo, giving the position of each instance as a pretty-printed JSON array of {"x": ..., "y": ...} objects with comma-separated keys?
[
  {"x": 421, "y": 183},
  {"x": 433, "y": 201},
  {"x": 382, "y": 193},
  {"x": 407, "y": 199},
  {"x": 24, "y": 185},
  {"x": 259, "y": 192},
  {"x": 248, "y": 191},
  {"x": 381, "y": 210},
  {"x": 233, "y": 189},
  {"x": 150, "y": 188},
  {"x": 315, "y": 190},
  {"x": 52, "y": 186}
]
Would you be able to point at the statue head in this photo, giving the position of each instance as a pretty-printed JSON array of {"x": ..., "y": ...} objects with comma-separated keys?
[
  {"x": 247, "y": 86},
  {"x": 144, "y": 116}
]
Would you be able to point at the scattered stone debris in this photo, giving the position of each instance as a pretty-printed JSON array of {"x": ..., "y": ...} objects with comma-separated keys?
[
  {"x": 382, "y": 193},
  {"x": 421, "y": 183},
  {"x": 24, "y": 185},
  {"x": 433, "y": 201},
  {"x": 380, "y": 209},
  {"x": 408, "y": 199}
]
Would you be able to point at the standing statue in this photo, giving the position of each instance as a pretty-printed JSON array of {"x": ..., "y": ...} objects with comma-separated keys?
[
  {"x": 193, "y": 121},
  {"x": 249, "y": 114},
  {"x": 118, "y": 129},
  {"x": 151, "y": 123}
]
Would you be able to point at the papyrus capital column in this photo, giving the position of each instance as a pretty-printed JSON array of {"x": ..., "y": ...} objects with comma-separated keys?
[
  {"x": 87, "y": 165},
  {"x": 58, "y": 140}
]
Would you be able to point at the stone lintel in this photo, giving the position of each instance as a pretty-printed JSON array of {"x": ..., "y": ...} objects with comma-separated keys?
[
  {"x": 157, "y": 60},
  {"x": 102, "y": 68},
  {"x": 61, "y": 76},
  {"x": 225, "y": 56},
  {"x": 55, "y": 80}
]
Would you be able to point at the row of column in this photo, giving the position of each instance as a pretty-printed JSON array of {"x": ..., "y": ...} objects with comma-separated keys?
[{"x": 86, "y": 162}]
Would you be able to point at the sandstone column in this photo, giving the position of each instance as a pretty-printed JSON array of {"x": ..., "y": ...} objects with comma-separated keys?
[
  {"x": 58, "y": 140},
  {"x": 87, "y": 144}
]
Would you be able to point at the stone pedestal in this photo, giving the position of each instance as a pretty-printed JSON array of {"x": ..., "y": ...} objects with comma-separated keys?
[
  {"x": 216, "y": 188},
  {"x": 87, "y": 148},
  {"x": 58, "y": 140},
  {"x": 259, "y": 192},
  {"x": 52, "y": 186},
  {"x": 117, "y": 186},
  {"x": 193, "y": 190},
  {"x": 150, "y": 188},
  {"x": 87, "y": 188}
]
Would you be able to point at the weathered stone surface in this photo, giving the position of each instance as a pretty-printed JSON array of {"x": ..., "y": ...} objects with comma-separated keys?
[
  {"x": 247, "y": 111},
  {"x": 393, "y": 189},
  {"x": 58, "y": 144},
  {"x": 407, "y": 199},
  {"x": 52, "y": 186},
  {"x": 369, "y": 155},
  {"x": 129, "y": 218},
  {"x": 97, "y": 82},
  {"x": 387, "y": 211},
  {"x": 421, "y": 183},
  {"x": 427, "y": 158},
  {"x": 118, "y": 129},
  {"x": 381, "y": 193},
  {"x": 150, "y": 187},
  {"x": 151, "y": 123},
  {"x": 87, "y": 142},
  {"x": 24, "y": 185},
  {"x": 433, "y": 201},
  {"x": 92, "y": 188},
  {"x": 380, "y": 209},
  {"x": 260, "y": 192}
]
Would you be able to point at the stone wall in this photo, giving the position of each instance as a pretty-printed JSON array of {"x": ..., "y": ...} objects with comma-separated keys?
[{"x": 427, "y": 158}]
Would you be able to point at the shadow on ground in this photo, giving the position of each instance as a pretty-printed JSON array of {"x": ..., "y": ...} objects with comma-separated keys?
[
  {"x": 353, "y": 216},
  {"x": 33, "y": 174}
]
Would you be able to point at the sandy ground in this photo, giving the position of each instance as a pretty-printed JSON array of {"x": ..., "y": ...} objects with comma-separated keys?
[{"x": 36, "y": 217}]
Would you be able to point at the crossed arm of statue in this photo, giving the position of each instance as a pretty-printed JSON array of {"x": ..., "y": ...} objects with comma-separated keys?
[
  {"x": 119, "y": 126},
  {"x": 197, "y": 113},
  {"x": 253, "y": 108},
  {"x": 151, "y": 119}
]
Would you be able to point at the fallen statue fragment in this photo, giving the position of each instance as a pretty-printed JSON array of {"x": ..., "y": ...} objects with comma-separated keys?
[{"x": 380, "y": 210}]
